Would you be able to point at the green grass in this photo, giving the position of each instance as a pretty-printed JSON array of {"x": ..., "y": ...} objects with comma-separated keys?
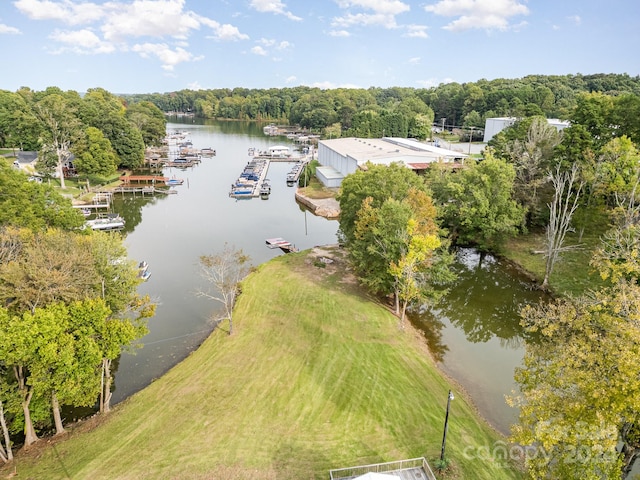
[
  {"x": 315, "y": 377},
  {"x": 572, "y": 274},
  {"x": 315, "y": 189}
]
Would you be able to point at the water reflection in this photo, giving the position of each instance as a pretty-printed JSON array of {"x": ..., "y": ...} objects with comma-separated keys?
[{"x": 475, "y": 332}]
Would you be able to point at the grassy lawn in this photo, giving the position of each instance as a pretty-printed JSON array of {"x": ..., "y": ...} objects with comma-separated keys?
[
  {"x": 315, "y": 189},
  {"x": 315, "y": 376},
  {"x": 572, "y": 274}
]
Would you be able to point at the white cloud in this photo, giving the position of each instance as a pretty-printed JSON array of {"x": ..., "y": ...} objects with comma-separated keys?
[
  {"x": 273, "y": 6},
  {"x": 479, "y": 14},
  {"x": 64, "y": 11},
  {"x": 6, "y": 29},
  {"x": 267, "y": 42},
  {"x": 434, "y": 82},
  {"x": 290, "y": 79},
  {"x": 365, "y": 19},
  {"x": 270, "y": 43},
  {"x": 81, "y": 41},
  {"x": 575, "y": 19},
  {"x": 146, "y": 18},
  {"x": 194, "y": 86},
  {"x": 118, "y": 21},
  {"x": 384, "y": 13},
  {"x": 258, "y": 50},
  {"x": 391, "y": 7},
  {"x": 339, "y": 33},
  {"x": 416, "y": 31},
  {"x": 169, "y": 58},
  {"x": 414, "y": 60},
  {"x": 228, "y": 32}
]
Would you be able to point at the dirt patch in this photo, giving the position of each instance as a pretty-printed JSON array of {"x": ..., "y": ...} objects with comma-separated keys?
[{"x": 322, "y": 207}]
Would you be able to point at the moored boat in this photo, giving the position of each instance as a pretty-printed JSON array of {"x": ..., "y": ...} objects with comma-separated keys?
[{"x": 111, "y": 221}]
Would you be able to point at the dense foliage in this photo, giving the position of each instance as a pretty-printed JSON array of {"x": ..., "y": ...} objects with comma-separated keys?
[
  {"x": 68, "y": 295},
  {"x": 359, "y": 111},
  {"x": 98, "y": 128}
]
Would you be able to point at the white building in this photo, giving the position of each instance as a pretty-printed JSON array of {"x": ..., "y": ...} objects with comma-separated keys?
[
  {"x": 493, "y": 126},
  {"x": 341, "y": 156}
]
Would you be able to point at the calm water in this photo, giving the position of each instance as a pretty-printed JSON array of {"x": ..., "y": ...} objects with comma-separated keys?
[{"x": 474, "y": 334}]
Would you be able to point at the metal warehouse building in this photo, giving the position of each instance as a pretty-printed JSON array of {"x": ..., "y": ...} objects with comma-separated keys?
[{"x": 341, "y": 156}]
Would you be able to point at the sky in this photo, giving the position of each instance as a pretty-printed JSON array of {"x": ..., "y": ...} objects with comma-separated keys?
[{"x": 148, "y": 46}]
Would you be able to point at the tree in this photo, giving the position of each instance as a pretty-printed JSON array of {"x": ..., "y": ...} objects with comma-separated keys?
[
  {"x": 6, "y": 454},
  {"x": 380, "y": 182},
  {"x": 33, "y": 205},
  {"x": 397, "y": 250},
  {"x": 580, "y": 391},
  {"x": 532, "y": 157},
  {"x": 52, "y": 266},
  {"x": 61, "y": 127},
  {"x": 618, "y": 168},
  {"x": 561, "y": 209},
  {"x": 407, "y": 270},
  {"x": 224, "y": 272},
  {"x": 477, "y": 203},
  {"x": 22, "y": 338},
  {"x": 106, "y": 112},
  {"x": 150, "y": 120},
  {"x": 95, "y": 155}
]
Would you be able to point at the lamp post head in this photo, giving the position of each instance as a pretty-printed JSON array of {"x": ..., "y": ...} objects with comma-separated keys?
[{"x": 451, "y": 397}]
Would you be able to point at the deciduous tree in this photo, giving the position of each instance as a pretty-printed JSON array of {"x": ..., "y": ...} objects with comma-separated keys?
[
  {"x": 224, "y": 272},
  {"x": 477, "y": 203},
  {"x": 61, "y": 128},
  {"x": 566, "y": 194}
]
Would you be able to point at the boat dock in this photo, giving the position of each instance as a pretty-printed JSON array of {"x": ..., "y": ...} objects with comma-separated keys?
[
  {"x": 282, "y": 244},
  {"x": 252, "y": 182},
  {"x": 294, "y": 175},
  {"x": 149, "y": 179}
]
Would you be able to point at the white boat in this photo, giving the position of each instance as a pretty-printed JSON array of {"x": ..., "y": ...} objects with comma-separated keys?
[
  {"x": 143, "y": 271},
  {"x": 107, "y": 222}
]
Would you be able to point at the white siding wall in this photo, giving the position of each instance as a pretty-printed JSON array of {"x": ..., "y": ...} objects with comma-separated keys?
[{"x": 331, "y": 158}]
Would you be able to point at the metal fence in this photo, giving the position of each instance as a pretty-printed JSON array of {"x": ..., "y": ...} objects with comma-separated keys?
[{"x": 389, "y": 467}]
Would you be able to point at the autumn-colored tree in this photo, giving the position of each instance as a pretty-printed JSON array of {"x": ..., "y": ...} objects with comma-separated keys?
[{"x": 580, "y": 388}]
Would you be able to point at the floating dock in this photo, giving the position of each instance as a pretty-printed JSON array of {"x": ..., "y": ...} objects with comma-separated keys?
[
  {"x": 252, "y": 182},
  {"x": 282, "y": 244}
]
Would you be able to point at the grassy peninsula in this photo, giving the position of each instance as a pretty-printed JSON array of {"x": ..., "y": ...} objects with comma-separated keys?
[{"x": 316, "y": 376}]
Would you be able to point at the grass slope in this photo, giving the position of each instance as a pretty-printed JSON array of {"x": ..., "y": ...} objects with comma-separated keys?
[{"x": 315, "y": 377}]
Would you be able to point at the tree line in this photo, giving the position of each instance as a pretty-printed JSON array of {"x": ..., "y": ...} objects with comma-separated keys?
[
  {"x": 397, "y": 110},
  {"x": 579, "y": 381}
]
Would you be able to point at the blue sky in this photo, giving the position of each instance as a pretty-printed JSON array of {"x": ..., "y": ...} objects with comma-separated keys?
[{"x": 145, "y": 46}]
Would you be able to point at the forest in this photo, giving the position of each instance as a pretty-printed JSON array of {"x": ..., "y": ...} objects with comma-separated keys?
[{"x": 396, "y": 111}]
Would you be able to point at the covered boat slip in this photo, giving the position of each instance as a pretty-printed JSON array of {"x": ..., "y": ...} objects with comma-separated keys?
[{"x": 252, "y": 181}]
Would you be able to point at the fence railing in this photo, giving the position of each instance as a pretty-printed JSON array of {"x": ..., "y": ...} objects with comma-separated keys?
[{"x": 351, "y": 472}]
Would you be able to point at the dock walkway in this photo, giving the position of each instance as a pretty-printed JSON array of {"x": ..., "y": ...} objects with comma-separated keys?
[{"x": 251, "y": 180}]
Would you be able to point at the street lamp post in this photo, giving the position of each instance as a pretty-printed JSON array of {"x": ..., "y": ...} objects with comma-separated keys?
[{"x": 446, "y": 423}]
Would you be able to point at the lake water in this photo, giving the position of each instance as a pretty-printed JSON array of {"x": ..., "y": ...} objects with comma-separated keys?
[{"x": 474, "y": 335}]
